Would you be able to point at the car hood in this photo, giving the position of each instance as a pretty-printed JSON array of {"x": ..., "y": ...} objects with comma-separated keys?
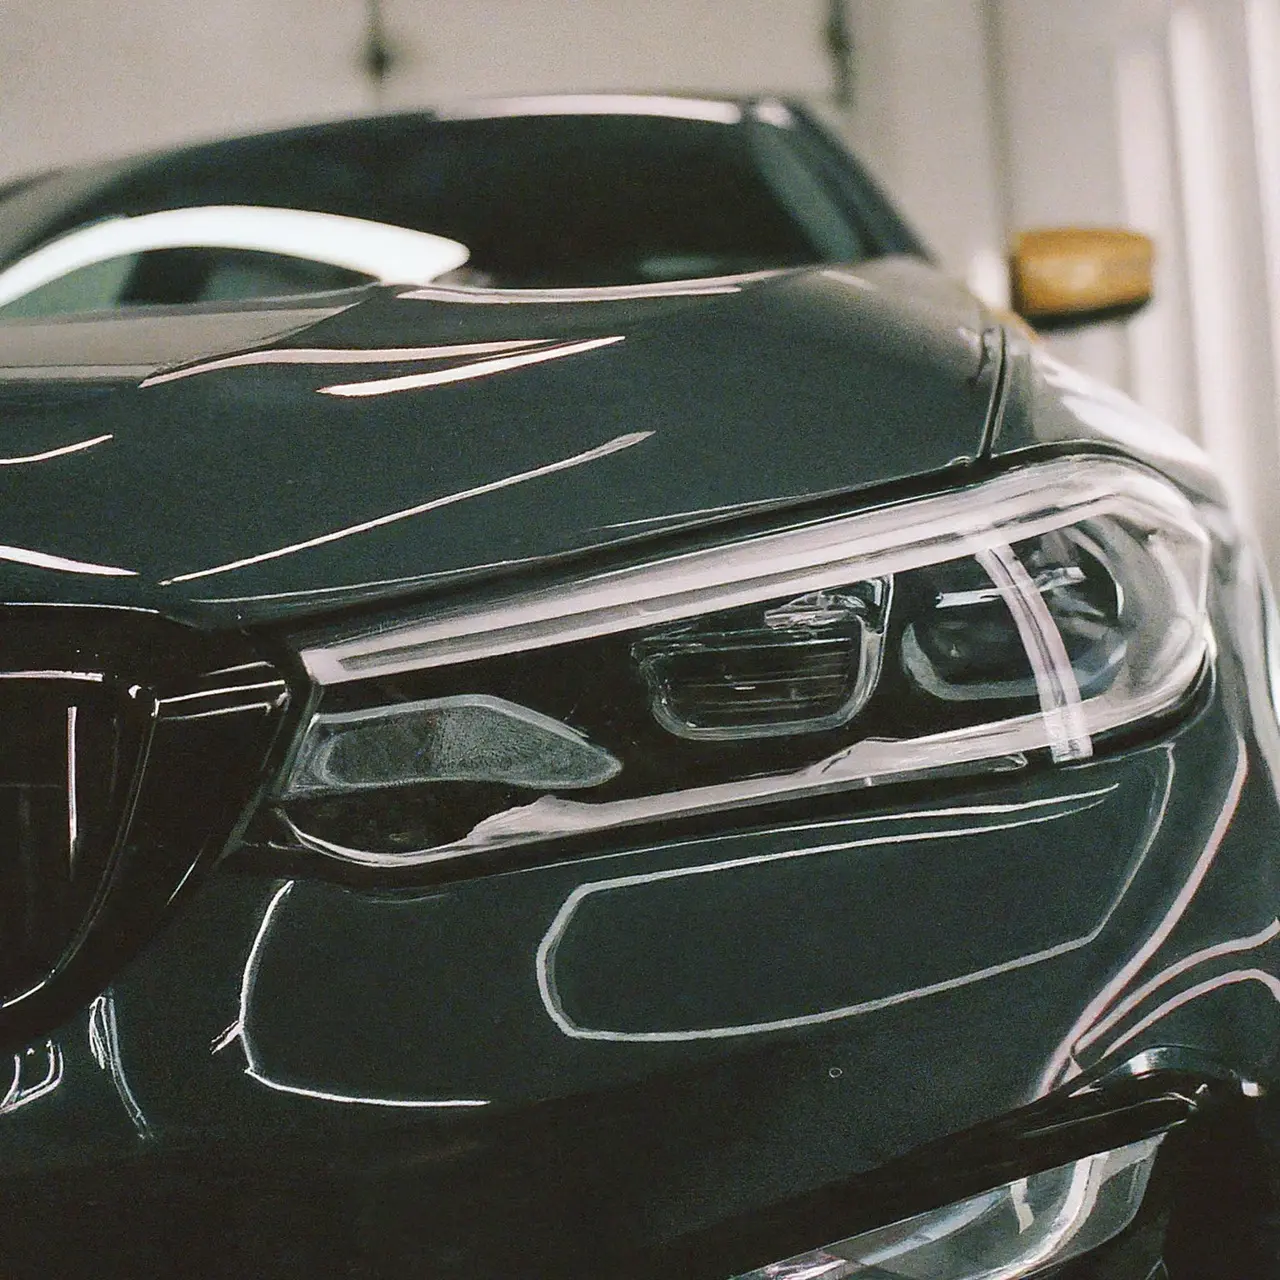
[{"x": 241, "y": 466}]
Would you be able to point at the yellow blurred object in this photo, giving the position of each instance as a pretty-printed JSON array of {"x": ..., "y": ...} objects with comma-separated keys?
[
  {"x": 1074, "y": 275},
  {"x": 1012, "y": 320}
]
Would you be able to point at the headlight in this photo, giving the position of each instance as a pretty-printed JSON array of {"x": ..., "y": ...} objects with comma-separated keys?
[
  {"x": 1036, "y": 612},
  {"x": 1014, "y": 1231}
]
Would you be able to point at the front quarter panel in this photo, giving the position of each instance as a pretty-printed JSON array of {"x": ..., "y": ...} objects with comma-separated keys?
[{"x": 1048, "y": 405}]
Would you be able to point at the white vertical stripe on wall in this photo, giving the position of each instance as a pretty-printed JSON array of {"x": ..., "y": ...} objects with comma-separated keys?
[
  {"x": 1263, "y": 27},
  {"x": 1060, "y": 156},
  {"x": 1231, "y": 310},
  {"x": 1162, "y": 375},
  {"x": 1198, "y": 96}
]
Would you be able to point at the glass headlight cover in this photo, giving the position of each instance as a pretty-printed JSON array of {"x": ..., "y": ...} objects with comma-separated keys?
[
  {"x": 803, "y": 665},
  {"x": 1033, "y": 612},
  {"x": 1013, "y": 1231}
]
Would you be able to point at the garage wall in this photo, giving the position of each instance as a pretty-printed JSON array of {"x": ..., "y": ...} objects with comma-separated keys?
[
  {"x": 84, "y": 78},
  {"x": 447, "y": 50},
  {"x": 81, "y": 79},
  {"x": 1217, "y": 82},
  {"x": 924, "y": 118},
  {"x": 1059, "y": 149}
]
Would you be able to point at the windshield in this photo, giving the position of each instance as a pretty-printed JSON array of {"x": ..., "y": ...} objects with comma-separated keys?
[{"x": 539, "y": 200}]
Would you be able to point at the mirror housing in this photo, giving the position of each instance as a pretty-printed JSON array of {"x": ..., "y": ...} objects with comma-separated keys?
[{"x": 1066, "y": 277}]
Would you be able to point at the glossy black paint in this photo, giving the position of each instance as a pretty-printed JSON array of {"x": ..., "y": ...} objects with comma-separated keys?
[
  {"x": 501, "y": 465},
  {"x": 306, "y": 1072}
]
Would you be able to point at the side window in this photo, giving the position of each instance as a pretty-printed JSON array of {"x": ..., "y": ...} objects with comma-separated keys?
[
  {"x": 92, "y": 288},
  {"x": 169, "y": 277}
]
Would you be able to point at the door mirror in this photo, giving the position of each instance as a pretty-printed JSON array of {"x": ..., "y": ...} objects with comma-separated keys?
[{"x": 1067, "y": 277}]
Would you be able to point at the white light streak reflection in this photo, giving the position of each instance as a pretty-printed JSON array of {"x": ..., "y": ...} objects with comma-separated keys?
[
  {"x": 700, "y": 287},
  {"x": 371, "y": 586},
  {"x": 104, "y": 1045},
  {"x": 695, "y": 514},
  {"x": 774, "y": 113},
  {"x": 343, "y": 355},
  {"x": 707, "y": 110},
  {"x": 88, "y": 677},
  {"x": 1165, "y": 976},
  {"x": 616, "y": 445},
  {"x": 850, "y": 278},
  {"x": 466, "y": 372},
  {"x": 1193, "y": 961},
  {"x": 419, "y": 857},
  {"x": 264, "y": 686},
  {"x": 239, "y": 709},
  {"x": 228, "y": 1037},
  {"x": 60, "y": 452},
  {"x": 389, "y": 254},
  {"x": 73, "y": 813},
  {"x": 1056, "y": 685},
  {"x": 19, "y": 1096},
  {"x": 254, "y": 1069},
  {"x": 1270, "y": 981},
  {"x": 410, "y": 1104},
  {"x": 42, "y": 560}
]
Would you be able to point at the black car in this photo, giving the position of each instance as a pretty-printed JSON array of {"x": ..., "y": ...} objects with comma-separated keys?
[{"x": 680, "y": 746}]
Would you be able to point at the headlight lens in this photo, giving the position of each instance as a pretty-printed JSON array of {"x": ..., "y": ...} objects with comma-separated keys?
[
  {"x": 1016, "y": 1230},
  {"x": 1034, "y": 612},
  {"x": 960, "y": 647},
  {"x": 797, "y": 667}
]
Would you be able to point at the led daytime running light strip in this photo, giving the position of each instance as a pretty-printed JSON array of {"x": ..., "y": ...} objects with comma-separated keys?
[{"x": 1018, "y": 505}]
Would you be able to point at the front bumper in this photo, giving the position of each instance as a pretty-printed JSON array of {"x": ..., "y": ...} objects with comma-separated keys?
[{"x": 693, "y": 1055}]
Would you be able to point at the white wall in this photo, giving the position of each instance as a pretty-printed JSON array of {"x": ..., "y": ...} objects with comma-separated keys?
[
  {"x": 923, "y": 119},
  {"x": 1059, "y": 144},
  {"x": 81, "y": 79},
  {"x": 450, "y": 49},
  {"x": 1230, "y": 288}
]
